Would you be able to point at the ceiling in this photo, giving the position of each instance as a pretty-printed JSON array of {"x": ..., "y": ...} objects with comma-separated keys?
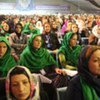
[{"x": 91, "y": 6}]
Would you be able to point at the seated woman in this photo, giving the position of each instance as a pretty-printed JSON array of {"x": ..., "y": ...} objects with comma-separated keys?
[
  {"x": 94, "y": 38},
  {"x": 21, "y": 85},
  {"x": 51, "y": 41},
  {"x": 4, "y": 29},
  {"x": 68, "y": 54},
  {"x": 29, "y": 29},
  {"x": 74, "y": 29},
  {"x": 86, "y": 86},
  {"x": 39, "y": 60},
  {"x": 18, "y": 41},
  {"x": 6, "y": 60}
]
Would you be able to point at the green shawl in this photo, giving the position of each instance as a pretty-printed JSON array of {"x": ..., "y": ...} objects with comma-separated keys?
[
  {"x": 88, "y": 91},
  {"x": 7, "y": 61},
  {"x": 71, "y": 54},
  {"x": 35, "y": 59},
  {"x": 26, "y": 29}
]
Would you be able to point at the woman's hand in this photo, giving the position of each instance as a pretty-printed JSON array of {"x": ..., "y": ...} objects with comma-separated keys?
[{"x": 59, "y": 71}]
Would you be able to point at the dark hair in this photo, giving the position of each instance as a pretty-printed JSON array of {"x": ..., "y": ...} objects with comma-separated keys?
[
  {"x": 46, "y": 23},
  {"x": 18, "y": 24},
  {"x": 18, "y": 70},
  {"x": 73, "y": 35},
  {"x": 90, "y": 51},
  {"x": 85, "y": 55}
]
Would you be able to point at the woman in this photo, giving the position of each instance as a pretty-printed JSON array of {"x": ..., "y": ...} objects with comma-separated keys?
[
  {"x": 86, "y": 86},
  {"x": 5, "y": 30},
  {"x": 21, "y": 85},
  {"x": 94, "y": 38},
  {"x": 6, "y": 60},
  {"x": 51, "y": 41},
  {"x": 74, "y": 29},
  {"x": 39, "y": 26},
  {"x": 38, "y": 60},
  {"x": 68, "y": 54},
  {"x": 18, "y": 41},
  {"x": 29, "y": 29}
]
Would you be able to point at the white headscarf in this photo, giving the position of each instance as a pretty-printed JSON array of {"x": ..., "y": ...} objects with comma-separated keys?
[{"x": 95, "y": 32}]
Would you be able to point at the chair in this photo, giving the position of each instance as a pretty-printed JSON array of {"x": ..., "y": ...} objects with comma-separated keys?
[{"x": 61, "y": 93}]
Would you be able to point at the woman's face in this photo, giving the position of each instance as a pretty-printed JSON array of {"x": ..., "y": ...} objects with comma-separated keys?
[
  {"x": 69, "y": 26},
  {"x": 31, "y": 26},
  {"x": 94, "y": 63},
  {"x": 3, "y": 49},
  {"x": 73, "y": 40},
  {"x": 20, "y": 86},
  {"x": 37, "y": 42},
  {"x": 54, "y": 25},
  {"x": 47, "y": 28},
  {"x": 6, "y": 27},
  {"x": 18, "y": 29},
  {"x": 74, "y": 28}
]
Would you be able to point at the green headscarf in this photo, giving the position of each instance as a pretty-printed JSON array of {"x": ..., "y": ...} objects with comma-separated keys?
[
  {"x": 71, "y": 54},
  {"x": 3, "y": 33},
  {"x": 7, "y": 61},
  {"x": 66, "y": 39},
  {"x": 35, "y": 59},
  {"x": 26, "y": 29}
]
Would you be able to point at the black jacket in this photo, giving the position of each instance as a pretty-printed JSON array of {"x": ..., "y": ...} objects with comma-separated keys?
[{"x": 74, "y": 90}]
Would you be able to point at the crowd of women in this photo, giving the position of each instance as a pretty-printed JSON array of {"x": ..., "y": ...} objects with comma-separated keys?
[{"x": 46, "y": 45}]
